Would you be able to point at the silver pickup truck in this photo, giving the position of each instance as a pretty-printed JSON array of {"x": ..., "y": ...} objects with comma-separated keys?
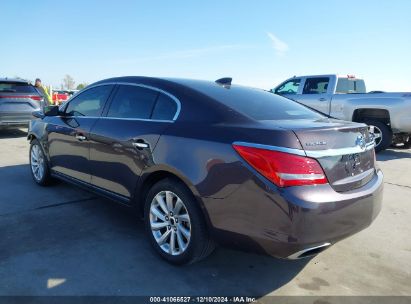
[{"x": 345, "y": 97}]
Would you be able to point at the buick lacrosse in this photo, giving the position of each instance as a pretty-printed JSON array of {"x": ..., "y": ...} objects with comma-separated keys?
[{"x": 208, "y": 163}]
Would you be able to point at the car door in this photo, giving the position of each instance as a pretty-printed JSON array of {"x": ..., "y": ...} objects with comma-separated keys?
[
  {"x": 315, "y": 93},
  {"x": 68, "y": 134},
  {"x": 123, "y": 140}
]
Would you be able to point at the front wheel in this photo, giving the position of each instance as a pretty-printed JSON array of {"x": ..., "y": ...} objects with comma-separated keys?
[
  {"x": 38, "y": 164},
  {"x": 175, "y": 224},
  {"x": 382, "y": 134}
]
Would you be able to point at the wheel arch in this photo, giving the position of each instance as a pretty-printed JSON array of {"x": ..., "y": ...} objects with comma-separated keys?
[
  {"x": 364, "y": 114},
  {"x": 31, "y": 137},
  {"x": 150, "y": 178}
]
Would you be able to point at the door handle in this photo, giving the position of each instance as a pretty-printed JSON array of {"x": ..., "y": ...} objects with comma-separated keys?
[
  {"x": 81, "y": 137},
  {"x": 140, "y": 145},
  {"x": 322, "y": 99}
]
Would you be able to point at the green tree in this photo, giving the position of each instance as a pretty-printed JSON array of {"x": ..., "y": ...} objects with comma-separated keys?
[{"x": 81, "y": 86}]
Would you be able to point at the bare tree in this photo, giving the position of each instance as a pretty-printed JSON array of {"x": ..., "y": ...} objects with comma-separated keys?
[{"x": 68, "y": 82}]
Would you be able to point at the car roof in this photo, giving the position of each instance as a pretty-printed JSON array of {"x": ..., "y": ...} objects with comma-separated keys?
[
  {"x": 14, "y": 80},
  {"x": 198, "y": 106},
  {"x": 311, "y": 76}
]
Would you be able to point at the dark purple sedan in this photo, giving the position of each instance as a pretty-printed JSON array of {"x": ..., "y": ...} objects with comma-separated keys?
[{"x": 210, "y": 163}]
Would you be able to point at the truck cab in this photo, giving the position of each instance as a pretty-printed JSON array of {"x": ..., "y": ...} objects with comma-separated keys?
[{"x": 317, "y": 91}]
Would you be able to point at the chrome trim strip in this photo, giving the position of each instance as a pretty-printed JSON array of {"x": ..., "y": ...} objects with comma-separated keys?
[
  {"x": 117, "y": 118},
  {"x": 310, "y": 153},
  {"x": 289, "y": 176},
  {"x": 297, "y": 255},
  {"x": 338, "y": 152},
  {"x": 273, "y": 148},
  {"x": 139, "y": 119}
]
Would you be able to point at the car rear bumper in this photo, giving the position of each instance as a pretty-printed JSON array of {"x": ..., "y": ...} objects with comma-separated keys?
[
  {"x": 15, "y": 119},
  {"x": 292, "y": 222}
]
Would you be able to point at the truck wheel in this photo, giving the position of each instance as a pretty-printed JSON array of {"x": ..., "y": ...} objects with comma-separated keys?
[
  {"x": 407, "y": 143},
  {"x": 382, "y": 134}
]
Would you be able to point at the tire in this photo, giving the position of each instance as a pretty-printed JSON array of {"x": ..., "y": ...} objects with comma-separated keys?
[
  {"x": 384, "y": 139},
  {"x": 39, "y": 166},
  {"x": 407, "y": 144},
  {"x": 187, "y": 226}
]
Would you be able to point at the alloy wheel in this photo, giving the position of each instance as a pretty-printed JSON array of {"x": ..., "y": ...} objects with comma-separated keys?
[
  {"x": 170, "y": 223},
  {"x": 377, "y": 133},
  {"x": 37, "y": 162}
]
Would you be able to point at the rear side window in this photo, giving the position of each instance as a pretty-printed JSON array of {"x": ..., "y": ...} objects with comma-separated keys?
[
  {"x": 165, "y": 108},
  {"x": 133, "y": 102},
  {"x": 16, "y": 87},
  {"x": 90, "y": 102},
  {"x": 350, "y": 85},
  {"x": 317, "y": 85}
]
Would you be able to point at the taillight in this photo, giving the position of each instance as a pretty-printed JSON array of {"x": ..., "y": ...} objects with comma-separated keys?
[
  {"x": 283, "y": 169},
  {"x": 34, "y": 97}
]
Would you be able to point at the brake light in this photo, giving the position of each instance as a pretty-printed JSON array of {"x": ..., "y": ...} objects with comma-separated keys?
[
  {"x": 283, "y": 169},
  {"x": 34, "y": 97}
]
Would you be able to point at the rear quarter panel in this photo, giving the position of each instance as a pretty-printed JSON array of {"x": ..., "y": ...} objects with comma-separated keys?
[{"x": 202, "y": 155}]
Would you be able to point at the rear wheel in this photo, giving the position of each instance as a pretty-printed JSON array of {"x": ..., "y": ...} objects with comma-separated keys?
[
  {"x": 38, "y": 164},
  {"x": 174, "y": 223},
  {"x": 382, "y": 134},
  {"x": 406, "y": 143}
]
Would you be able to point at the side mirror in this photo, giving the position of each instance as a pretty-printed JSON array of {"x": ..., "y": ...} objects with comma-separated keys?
[{"x": 51, "y": 111}]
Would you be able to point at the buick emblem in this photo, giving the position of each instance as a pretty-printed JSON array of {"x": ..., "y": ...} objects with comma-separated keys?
[
  {"x": 360, "y": 141},
  {"x": 352, "y": 162}
]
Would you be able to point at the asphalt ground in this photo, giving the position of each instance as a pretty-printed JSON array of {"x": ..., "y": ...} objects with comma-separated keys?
[{"x": 61, "y": 240}]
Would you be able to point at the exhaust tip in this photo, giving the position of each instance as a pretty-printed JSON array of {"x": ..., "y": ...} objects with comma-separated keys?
[{"x": 308, "y": 252}]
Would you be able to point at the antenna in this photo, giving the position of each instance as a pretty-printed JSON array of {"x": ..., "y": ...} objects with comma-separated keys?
[{"x": 224, "y": 81}]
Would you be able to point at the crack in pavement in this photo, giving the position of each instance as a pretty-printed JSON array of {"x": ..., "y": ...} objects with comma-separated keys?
[
  {"x": 397, "y": 185},
  {"x": 52, "y": 205}
]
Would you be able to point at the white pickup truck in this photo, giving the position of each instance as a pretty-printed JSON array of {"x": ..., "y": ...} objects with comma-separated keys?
[{"x": 345, "y": 97}]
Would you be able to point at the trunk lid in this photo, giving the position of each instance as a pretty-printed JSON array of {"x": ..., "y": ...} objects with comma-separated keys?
[{"x": 344, "y": 150}]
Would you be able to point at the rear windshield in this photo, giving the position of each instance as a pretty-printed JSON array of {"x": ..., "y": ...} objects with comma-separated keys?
[
  {"x": 258, "y": 104},
  {"x": 16, "y": 87}
]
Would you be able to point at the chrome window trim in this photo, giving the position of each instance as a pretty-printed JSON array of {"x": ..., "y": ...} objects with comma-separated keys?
[
  {"x": 139, "y": 119},
  {"x": 176, "y": 100},
  {"x": 118, "y": 118},
  {"x": 272, "y": 148}
]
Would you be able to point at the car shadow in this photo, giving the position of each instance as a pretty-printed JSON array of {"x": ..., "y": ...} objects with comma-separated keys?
[
  {"x": 12, "y": 133},
  {"x": 72, "y": 244},
  {"x": 393, "y": 153}
]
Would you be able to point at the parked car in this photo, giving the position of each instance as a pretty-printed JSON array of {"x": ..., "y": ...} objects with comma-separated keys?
[
  {"x": 345, "y": 97},
  {"x": 18, "y": 99},
  {"x": 60, "y": 96},
  {"x": 210, "y": 162}
]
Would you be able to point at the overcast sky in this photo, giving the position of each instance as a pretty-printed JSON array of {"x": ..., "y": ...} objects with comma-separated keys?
[{"x": 258, "y": 43}]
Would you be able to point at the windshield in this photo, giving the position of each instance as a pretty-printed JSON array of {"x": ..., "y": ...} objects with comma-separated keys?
[{"x": 16, "y": 87}]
